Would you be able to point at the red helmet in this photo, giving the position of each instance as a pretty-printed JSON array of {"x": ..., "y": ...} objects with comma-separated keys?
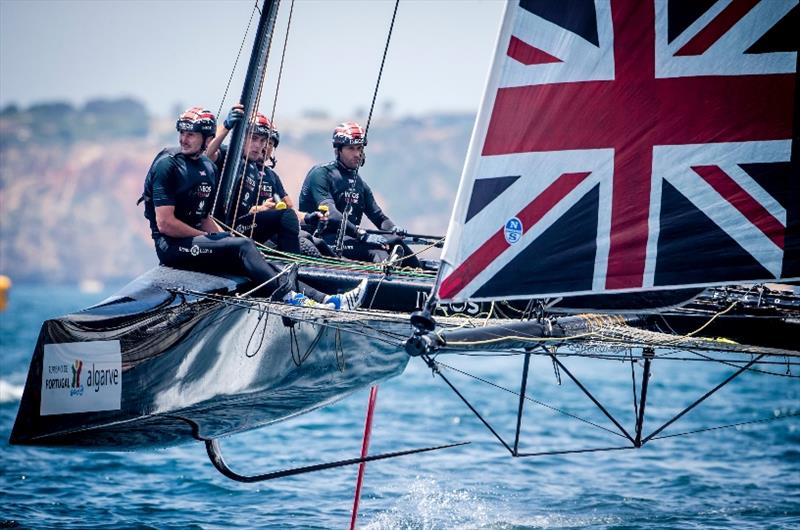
[
  {"x": 349, "y": 133},
  {"x": 197, "y": 119},
  {"x": 263, "y": 127}
]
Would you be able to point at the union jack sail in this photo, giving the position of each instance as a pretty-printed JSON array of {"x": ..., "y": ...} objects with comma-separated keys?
[{"x": 628, "y": 145}]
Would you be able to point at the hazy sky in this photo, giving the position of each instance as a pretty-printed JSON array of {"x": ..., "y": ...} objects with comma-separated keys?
[{"x": 180, "y": 51}]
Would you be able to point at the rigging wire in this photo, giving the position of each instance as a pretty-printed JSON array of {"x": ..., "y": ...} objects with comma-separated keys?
[
  {"x": 238, "y": 55},
  {"x": 228, "y": 85},
  {"x": 729, "y": 425},
  {"x": 280, "y": 69},
  {"x": 255, "y": 112},
  {"x": 380, "y": 71},
  {"x": 633, "y": 384},
  {"x": 528, "y": 398}
]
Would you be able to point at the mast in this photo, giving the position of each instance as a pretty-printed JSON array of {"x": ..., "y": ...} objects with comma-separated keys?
[{"x": 249, "y": 98}]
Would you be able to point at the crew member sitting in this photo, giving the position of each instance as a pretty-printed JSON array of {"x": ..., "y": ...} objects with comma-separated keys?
[{"x": 339, "y": 186}]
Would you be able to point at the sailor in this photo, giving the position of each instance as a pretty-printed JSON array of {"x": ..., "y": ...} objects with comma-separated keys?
[
  {"x": 262, "y": 208},
  {"x": 179, "y": 191},
  {"x": 339, "y": 186}
]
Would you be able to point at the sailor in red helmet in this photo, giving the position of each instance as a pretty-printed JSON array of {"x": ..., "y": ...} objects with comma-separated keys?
[
  {"x": 179, "y": 193},
  {"x": 258, "y": 190},
  {"x": 339, "y": 186}
]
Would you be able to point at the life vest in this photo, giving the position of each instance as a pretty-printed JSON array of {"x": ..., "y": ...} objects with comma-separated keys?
[{"x": 178, "y": 161}]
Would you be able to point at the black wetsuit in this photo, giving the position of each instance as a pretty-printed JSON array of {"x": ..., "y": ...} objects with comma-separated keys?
[
  {"x": 189, "y": 185},
  {"x": 336, "y": 186},
  {"x": 281, "y": 226}
]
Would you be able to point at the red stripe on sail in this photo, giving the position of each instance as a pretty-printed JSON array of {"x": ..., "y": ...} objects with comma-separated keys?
[
  {"x": 715, "y": 29},
  {"x": 743, "y": 201},
  {"x": 633, "y": 113},
  {"x": 523, "y": 52},
  {"x": 497, "y": 244}
]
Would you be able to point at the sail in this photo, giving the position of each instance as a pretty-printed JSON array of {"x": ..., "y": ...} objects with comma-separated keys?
[{"x": 631, "y": 145}]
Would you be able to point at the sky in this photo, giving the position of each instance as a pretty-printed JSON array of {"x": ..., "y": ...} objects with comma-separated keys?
[{"x": 181, "y": 53}]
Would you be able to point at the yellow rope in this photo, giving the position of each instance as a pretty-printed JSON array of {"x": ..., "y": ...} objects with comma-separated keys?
[
  {"x": 701, "y": 328},
  {"x": 525, "y": 339}
]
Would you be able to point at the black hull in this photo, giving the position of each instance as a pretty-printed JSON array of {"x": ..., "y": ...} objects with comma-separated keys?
[{"x": 196, "y": 368}]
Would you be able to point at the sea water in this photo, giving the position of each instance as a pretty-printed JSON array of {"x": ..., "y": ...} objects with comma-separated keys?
[{"x": 742, "y": 477}]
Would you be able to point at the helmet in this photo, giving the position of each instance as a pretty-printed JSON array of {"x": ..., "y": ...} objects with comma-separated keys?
[
  {"x": 349, "y": 133},
  {"x": 263, "y": 127},
  {"x": 197, "y": 119}
]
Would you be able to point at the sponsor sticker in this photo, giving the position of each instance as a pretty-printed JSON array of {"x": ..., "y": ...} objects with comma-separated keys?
[
  {"x": 512, "y": 230},
  {"x": 81, "y": 377}
]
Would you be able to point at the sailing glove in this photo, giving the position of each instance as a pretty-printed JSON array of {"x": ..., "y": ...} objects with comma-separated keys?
[
  {"x": 312, "y": 218},
  {"x": 399, "y": 231},
  {"x": 234, "y": 117}
]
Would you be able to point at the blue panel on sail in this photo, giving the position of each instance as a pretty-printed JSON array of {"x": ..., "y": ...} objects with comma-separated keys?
[
  {"x": 578, "y": 16},
  {"x": 782, "y": 37},
  {"x": 682, "y": 13},
  {"x": 782, "y": 181},
  {"x": 716, "y": 258},
  {"x": 485, "y": 191},
  {"x": 553, "y": 263}
]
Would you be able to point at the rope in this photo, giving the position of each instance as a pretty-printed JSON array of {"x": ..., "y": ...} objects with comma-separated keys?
[
  {"x": 228, "y": 85},
  {"x": 523, "y": 338},
  {"x": 380, "y": 71},
  {"x": 298, "y": 359},
  {"x": 614, "y": 357},
  {"x": 728, "y": 426},
  {"x": 262, "y": 316},
  {"x": 280, "y": 69},
  {"x": 375, "y": 293},
  {"x": 262, "y": 284},
  {"x": 356, "y": 324},
  {"x": 238, "y": 55},
  {"x": 712, "y": 319},
  {"x": 338, "y": 350},
  {"x": 272, "y": 113},
  {"x": 418, "y": 252},
  {"x": 332, "y": 263}
]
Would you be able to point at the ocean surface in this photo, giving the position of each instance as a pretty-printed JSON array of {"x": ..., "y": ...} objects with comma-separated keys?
[{"x": 744, "y": 477}]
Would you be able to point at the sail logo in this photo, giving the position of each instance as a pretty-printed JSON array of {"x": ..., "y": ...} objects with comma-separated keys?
[
  {"x": 76, "y": 388},
  {"x": 81, "y": 377},
  {"x": 513, "y": 230},
  {"x": 77, "y": 366},
  {"x": 64, "y": 376}
]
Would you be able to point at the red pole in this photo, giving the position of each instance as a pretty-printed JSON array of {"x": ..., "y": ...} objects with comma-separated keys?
[{"x": 373, "y": 396}]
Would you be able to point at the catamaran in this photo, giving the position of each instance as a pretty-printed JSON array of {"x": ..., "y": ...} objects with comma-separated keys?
[{"x": 631, "y": 190}]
